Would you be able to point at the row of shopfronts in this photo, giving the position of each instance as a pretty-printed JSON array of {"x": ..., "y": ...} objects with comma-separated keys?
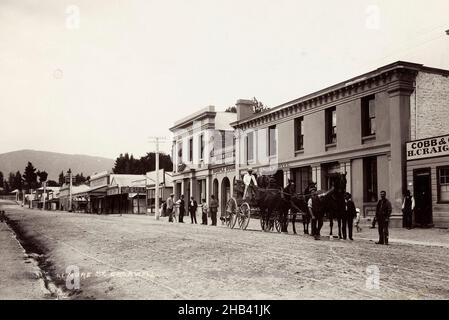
[
  {"x": 106, "y": 194},
  {"x": 386, "y": 129}
]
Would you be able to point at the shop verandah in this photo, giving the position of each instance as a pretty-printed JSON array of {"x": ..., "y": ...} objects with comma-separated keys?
[{"x": 130, "y": 200}]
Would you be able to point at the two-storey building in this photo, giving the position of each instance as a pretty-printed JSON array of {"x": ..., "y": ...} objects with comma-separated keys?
[
  {"x": 203, "y": 155},
  {"x": 359, "y": 126}
]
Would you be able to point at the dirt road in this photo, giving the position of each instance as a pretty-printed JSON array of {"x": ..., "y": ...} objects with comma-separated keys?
[{"x": 136, "y": 257}]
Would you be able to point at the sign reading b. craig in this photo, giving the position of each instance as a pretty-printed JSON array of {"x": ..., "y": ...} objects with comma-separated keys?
[{"x": 428, "y": 148}]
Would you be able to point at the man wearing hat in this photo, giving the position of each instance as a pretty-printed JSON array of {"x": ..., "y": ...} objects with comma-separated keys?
[
  {"x": 170, "y": 203},
  {"x": 349, "y": 215},
  {"x": 250, "y": 181}
]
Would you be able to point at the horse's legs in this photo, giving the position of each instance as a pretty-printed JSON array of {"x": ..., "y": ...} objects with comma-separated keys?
[
  {"x": 305, "y": 223},
  {"x": 267, "y": 220},
  {"x": 320, "y": 225},
  {"x": 339, "y": 228},
  {"x": 293, "y": 222},
  {"x": 331, "y": 224},
  {"x": 286, "y": 221}
]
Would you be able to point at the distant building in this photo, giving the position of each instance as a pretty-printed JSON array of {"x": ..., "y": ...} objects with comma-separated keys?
[
  {"x": 98, "y": 183},
  {"x": 204, "y": 155},
  {"x": 79, "y": 198},
  {"x": 126, "y": 193},
  {"x": 165, "y": 187}
]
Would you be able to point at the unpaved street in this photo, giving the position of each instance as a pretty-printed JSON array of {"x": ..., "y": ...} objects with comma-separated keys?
[{"x": 136, "y": 257}]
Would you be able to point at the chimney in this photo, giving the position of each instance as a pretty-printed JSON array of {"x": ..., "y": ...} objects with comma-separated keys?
[{"x": 244, "y": 108}]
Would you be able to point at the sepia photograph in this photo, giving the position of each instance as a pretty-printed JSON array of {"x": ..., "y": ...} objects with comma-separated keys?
[{"x": 224, "y": 155}]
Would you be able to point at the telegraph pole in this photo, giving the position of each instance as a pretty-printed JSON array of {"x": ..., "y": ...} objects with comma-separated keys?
[
  {"x": 157, "y": 140},
  {"x": 44, "y": 184},
  {"x": 70, "y": 190}
]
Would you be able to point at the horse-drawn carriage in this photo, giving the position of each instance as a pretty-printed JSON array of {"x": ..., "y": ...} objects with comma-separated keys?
[
  {"x": 266, "y": 201},
  {"x": 276, "y": 206}
]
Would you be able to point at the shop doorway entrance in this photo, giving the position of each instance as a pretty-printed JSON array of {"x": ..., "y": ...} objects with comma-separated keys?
[{"x": 423, "y": 196}]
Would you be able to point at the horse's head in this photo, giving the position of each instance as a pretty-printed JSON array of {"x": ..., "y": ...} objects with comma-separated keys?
[
  {"x": 311, "y": 187},
  {"x": 291, "y": 187},
  {"x": 272, "y": 182},
  {"x": 263, "y": 181},
  {"x": 339, "y": 182}
]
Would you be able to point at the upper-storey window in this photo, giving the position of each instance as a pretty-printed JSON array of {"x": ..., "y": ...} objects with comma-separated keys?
[
  {"x": 191, "y": 149},
  {"x": 299, "y": 134},
  {"x": 249, "y": 146},
  {"x": 180, "y": 152},
  {"x": 331, "y": 125},
  {"x": 201, "y": 138},
  {"x": 272, "y": 145},
  {"x": 368, "y": 116}
]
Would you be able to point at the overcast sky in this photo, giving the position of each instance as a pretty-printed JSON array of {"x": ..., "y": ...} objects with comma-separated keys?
[{"x": 100, "y": 77}]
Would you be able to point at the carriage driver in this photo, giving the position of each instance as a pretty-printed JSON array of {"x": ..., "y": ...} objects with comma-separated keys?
[{"x": 250, "y": 181}]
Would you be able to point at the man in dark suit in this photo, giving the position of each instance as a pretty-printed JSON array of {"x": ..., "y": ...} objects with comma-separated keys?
[
  {"x": 193, "y": 205},
  {"x": 349, "y": 215},
  {"x": 213, "y": 207},
  {"x": 383, "y": 213},
  {"x": 182, "y": 209}
]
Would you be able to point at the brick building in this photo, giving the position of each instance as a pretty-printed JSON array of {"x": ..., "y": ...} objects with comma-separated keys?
[
  {"x": 360, "y": 126},
  {"x": 428, "y": 152}
]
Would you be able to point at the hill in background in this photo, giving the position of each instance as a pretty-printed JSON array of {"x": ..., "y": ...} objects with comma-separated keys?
[{"x": 53, "y": 163}]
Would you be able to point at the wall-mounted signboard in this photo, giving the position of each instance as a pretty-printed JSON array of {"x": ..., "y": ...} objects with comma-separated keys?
[{"x": 428, "y": 148}]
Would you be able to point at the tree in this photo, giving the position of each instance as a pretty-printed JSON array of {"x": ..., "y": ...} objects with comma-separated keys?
[
  {"x": 259, "y": 106},
  {"x": 30, "y": 176},
  {"x": 126, "y": 164},
  {"x": 232, "y": 109},
  {"x": 2, "y": 183},
  {"x": 52, "y": 183},
  {"x": 11, "y": 183},
  {"x": 79, "y": 179},
  {"x": 6, "y": 187},
  {"x": 18, "y": 181},
  {"x": 61, "y": 178},
  {"x": 42, "y": 176}
]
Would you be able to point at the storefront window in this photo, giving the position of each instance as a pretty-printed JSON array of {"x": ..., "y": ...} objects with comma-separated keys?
[
  {"x": 302, "y": 177},
  {"x": 443, "y": 184},
  {"x": 370, "y": 179}
]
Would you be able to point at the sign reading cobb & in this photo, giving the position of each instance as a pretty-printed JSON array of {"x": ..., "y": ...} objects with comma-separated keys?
[{"x": 428, "y": 148}]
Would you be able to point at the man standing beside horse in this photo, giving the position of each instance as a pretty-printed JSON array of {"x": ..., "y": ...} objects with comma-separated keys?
[
  {"x": 314, "y": 211},
  {"x": 348, "y": 217}
]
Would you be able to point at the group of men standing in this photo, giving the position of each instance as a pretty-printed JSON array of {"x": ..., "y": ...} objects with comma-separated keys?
[{"x": 192, "y": 208}]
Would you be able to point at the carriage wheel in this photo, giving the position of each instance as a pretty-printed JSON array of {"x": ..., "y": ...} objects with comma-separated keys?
[
  {"x": 244, "y": 216},
  {"x": 231, "y": 213}
]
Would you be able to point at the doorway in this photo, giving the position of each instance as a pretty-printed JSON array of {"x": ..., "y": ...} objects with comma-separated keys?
[
  {"x": 225, "y": 194},
  {"x": 422, "y": 180}
]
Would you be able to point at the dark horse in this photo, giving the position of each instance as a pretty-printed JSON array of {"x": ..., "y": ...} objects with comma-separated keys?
[
  {"x": 298, "y": 204},
  {"x": 270, "y": 198},
  {"x": 332, "y": 202}
]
